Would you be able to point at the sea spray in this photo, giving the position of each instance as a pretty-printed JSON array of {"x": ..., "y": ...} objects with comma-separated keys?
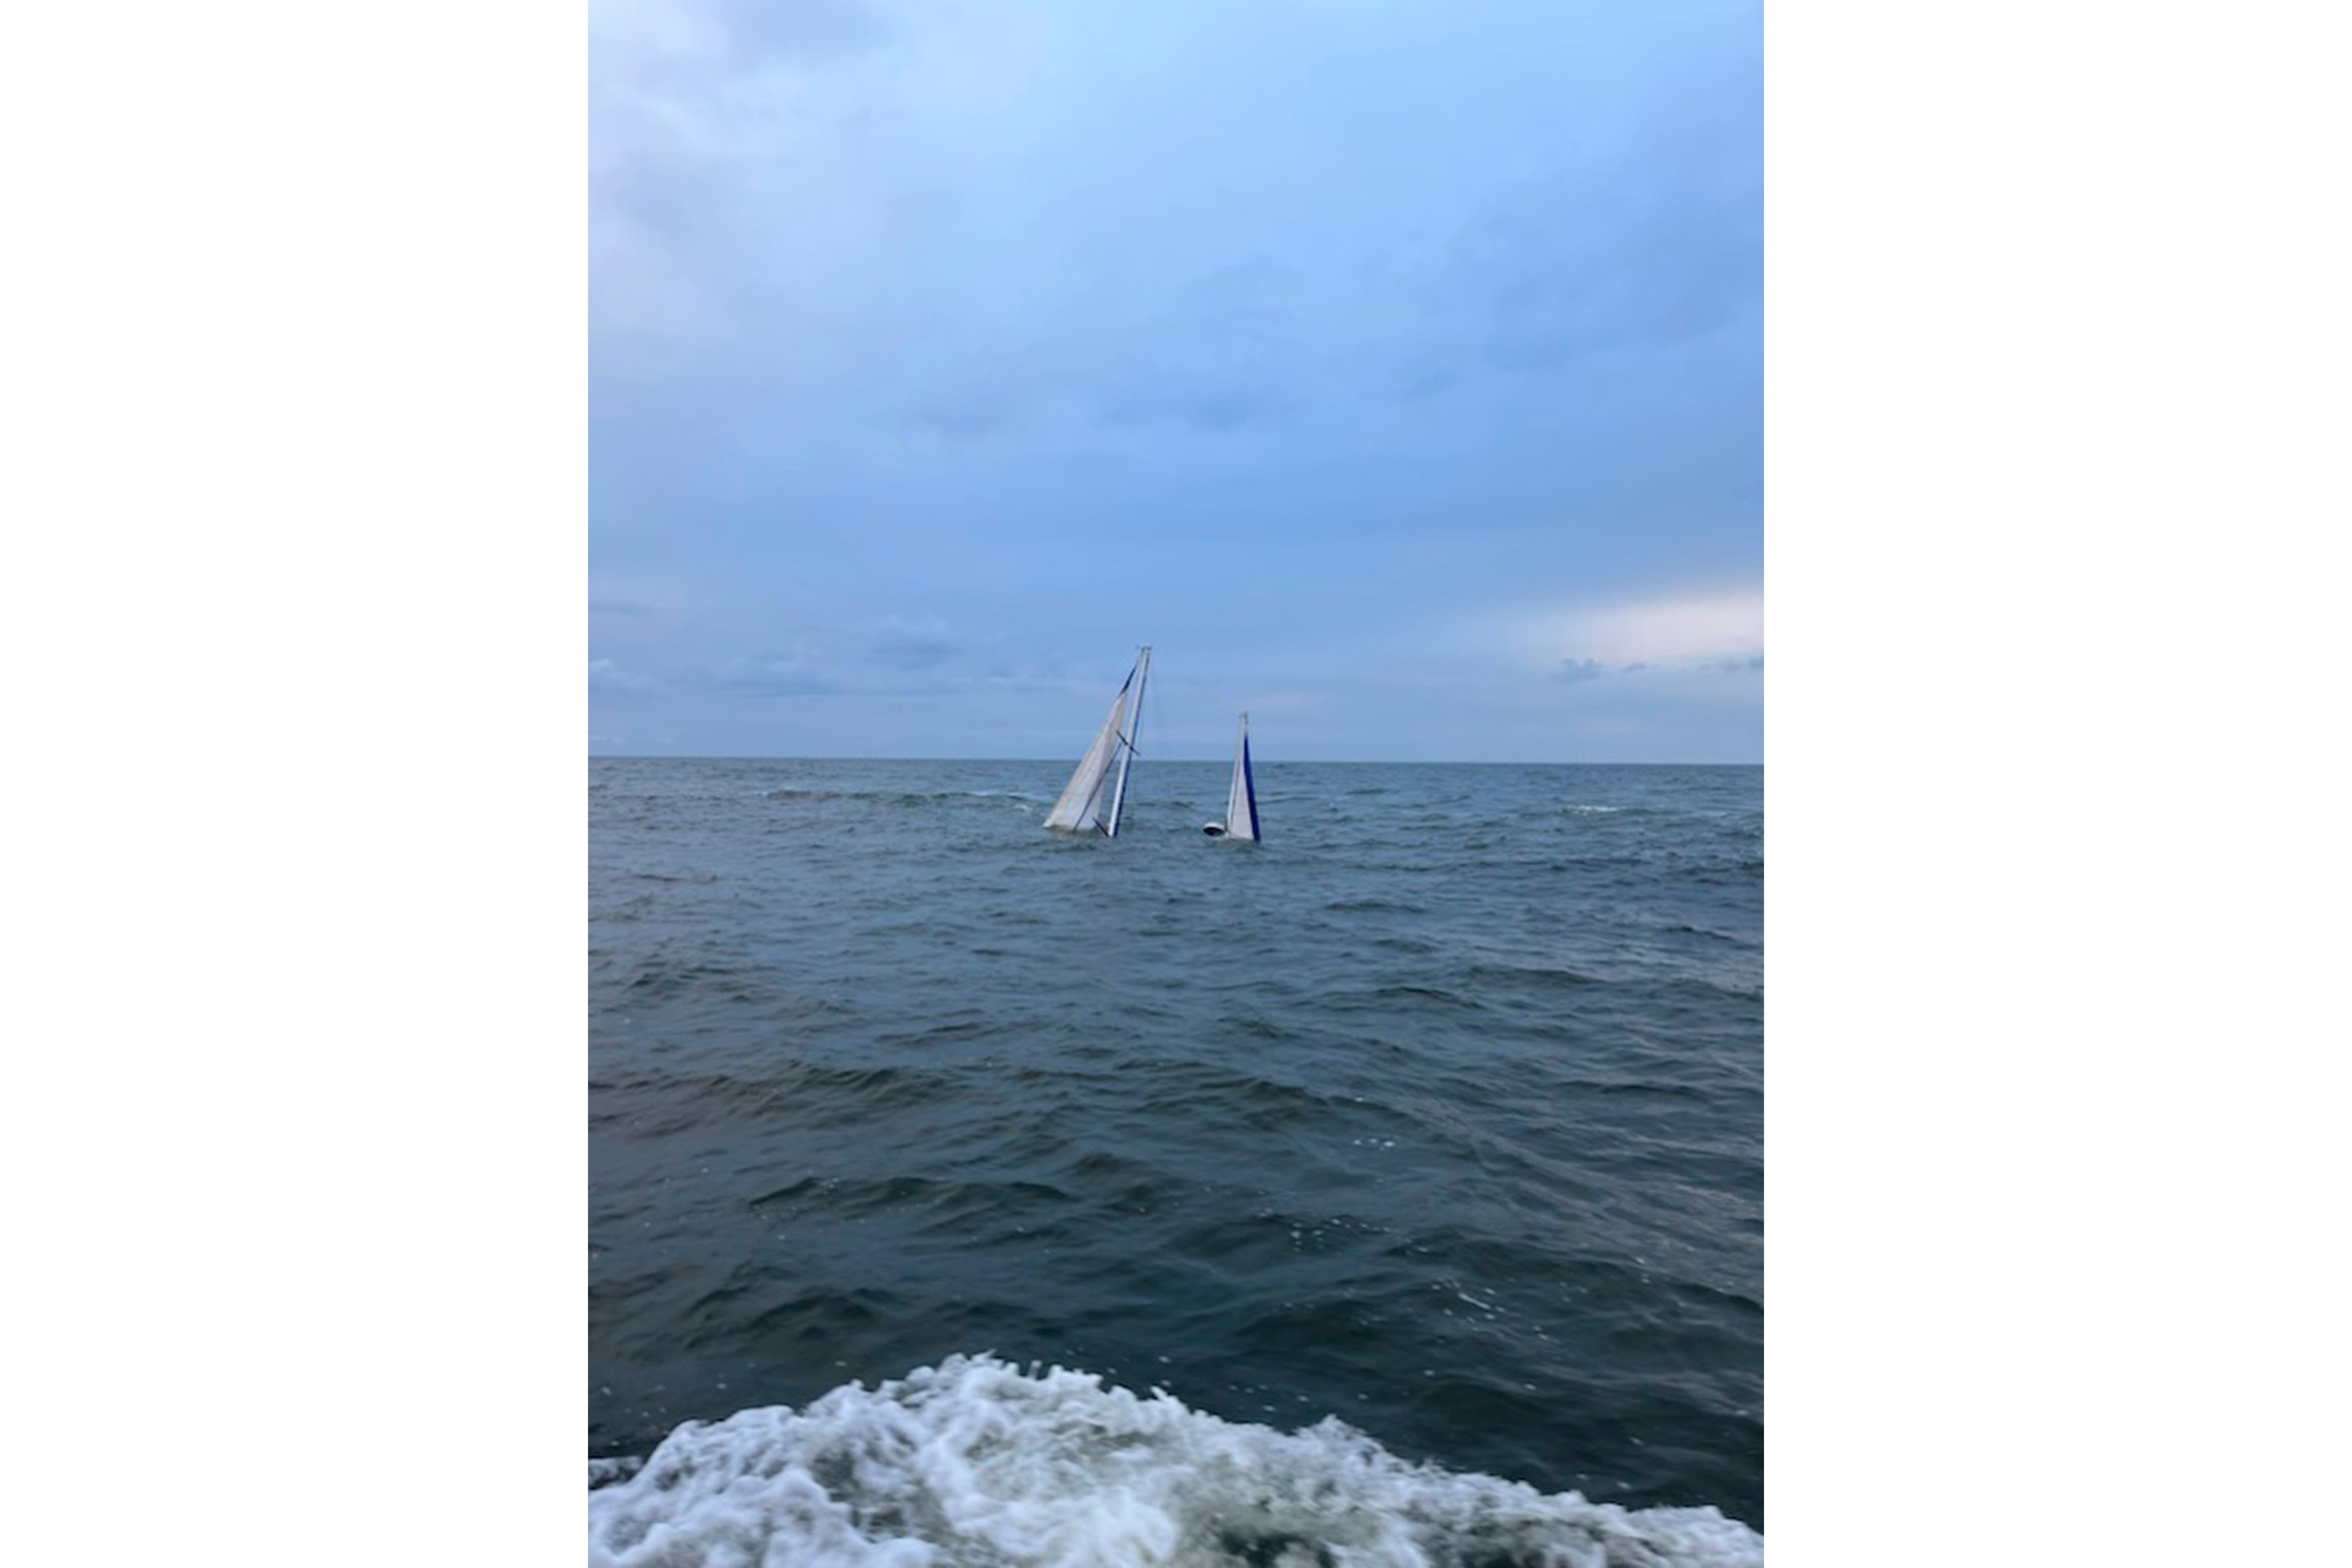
[{"x": 976, "y": 1462}]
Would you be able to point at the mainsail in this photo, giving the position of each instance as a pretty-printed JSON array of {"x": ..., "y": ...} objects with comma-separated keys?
[
  {"x": 1082, "y": 808},
  {"x": 1241, "y": 799}
]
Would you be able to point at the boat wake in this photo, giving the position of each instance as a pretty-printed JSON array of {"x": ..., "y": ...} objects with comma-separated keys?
[{"x": 976, "y": 1462}]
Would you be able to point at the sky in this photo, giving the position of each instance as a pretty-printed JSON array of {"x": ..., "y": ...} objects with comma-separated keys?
[{"x": 1395, "y": 371}]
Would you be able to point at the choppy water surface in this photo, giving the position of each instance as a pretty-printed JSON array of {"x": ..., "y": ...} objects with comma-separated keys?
[{"x": 1439, "y": 1112}]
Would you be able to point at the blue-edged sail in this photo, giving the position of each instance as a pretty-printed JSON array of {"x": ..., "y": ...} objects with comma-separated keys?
[
  {"x": 1084, "y": 808},
  {"x": 1241, "y": 796}
]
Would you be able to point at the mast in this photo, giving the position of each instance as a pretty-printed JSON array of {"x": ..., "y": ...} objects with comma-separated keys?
[{"x": 1134, "y": 727}]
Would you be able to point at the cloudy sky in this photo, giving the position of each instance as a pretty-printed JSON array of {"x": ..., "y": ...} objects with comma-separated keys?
[{"x": 1396, "y": 370}]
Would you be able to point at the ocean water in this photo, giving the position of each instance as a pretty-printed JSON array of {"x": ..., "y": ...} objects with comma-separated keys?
[{"x": 1389, "y": 1191}]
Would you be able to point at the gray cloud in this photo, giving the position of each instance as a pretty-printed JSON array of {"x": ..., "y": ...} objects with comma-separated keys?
[
  {"x": 804, "y": 28},
  {"x": 772, "y": 675},
  {"x": 1222, "y": 352},
  {"x": 947, "y": 354},
  {"x": 1581, "y": 669},
  {"x": 904, "y": 644},
  {"x": 1656, "y": 248}
]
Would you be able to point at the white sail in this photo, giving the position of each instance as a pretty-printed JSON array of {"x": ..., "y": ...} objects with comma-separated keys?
[
  {"x": 1082, "y": 808},
  {"x": 1241, "y": 797}
]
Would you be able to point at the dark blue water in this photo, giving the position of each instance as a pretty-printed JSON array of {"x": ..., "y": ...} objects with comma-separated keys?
[{"x": 1439, "y": 1112}]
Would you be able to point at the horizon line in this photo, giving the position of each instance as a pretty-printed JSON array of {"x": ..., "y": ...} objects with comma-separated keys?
[{"x": 1318, "y": 762}]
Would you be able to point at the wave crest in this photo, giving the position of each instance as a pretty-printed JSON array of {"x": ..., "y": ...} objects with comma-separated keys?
[{"x": 976, "y": 1462}]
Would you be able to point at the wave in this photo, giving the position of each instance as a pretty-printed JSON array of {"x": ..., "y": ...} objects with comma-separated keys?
[
  {"x": 788, "y": 1093},
  {"x": 908, "y": 797},
  {"x": 1400, "y": 994},
  {"x": 976, "y": 1462},
  {"x": 1553, "y": 977}
]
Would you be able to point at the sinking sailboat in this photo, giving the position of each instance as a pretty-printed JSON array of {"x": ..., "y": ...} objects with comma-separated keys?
[
  {"x": 1082, "y": 808},
  {"x": 1241, "y": 796}
]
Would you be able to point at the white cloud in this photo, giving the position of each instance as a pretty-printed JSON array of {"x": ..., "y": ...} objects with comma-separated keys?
[
  {"x": 605, "y": 674},
  {"x": 1684, "y": 629}
]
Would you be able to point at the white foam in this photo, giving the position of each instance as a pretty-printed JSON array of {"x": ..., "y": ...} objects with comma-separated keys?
[{"x": 974, "y": 1462}]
